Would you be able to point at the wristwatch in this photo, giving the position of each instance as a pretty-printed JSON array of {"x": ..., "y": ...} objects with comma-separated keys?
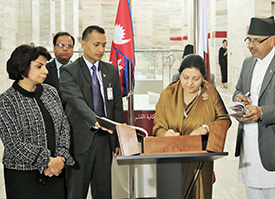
[
  {"x": 205, "y": 127},
  {"x": 261, "y": 116}
]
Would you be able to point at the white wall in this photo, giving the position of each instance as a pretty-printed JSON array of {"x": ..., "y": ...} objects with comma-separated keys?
[{"x": 154, "y": 22}]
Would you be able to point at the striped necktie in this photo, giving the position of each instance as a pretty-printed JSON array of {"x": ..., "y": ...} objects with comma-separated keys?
[
  {"x": 97, "y": 97},
  {"x": 58, "y": 71}
]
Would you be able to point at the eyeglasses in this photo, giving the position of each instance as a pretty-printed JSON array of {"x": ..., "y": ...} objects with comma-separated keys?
[
  {"x": 256, "y": 41},
  {"x": 63, "y": 45}
]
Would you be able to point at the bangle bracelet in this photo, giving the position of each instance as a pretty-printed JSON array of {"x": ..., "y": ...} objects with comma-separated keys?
[{"x": 205, "y": 127}]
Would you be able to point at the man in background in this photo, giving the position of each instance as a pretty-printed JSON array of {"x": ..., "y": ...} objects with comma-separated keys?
[
  {"x": 189, "y": 49},
  {"x": 63, "y": 46}
]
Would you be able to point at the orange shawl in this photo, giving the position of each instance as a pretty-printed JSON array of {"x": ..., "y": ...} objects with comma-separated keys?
[{"x": 208, "y": 108}]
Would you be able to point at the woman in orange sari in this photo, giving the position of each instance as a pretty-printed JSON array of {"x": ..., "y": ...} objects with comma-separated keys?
[{"x": 192, "y": 106}]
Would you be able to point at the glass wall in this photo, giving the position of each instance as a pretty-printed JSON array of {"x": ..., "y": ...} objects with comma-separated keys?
[
  {"x": 154, "y": 68},
  {"x": 153, "y": 72}
]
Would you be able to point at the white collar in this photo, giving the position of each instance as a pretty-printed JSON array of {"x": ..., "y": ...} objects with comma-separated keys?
[{"x": 89, "y": 64}]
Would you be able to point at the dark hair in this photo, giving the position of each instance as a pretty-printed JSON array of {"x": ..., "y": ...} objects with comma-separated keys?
[
  {"x": 193, "y": 61},
  {"x": 19, "y": 62},
  {"x": 224, "y": 40},
  {"x": 90, "y": 29},
  {"x": 188, "y": 49},
  {"x": 61, "y": 34}
]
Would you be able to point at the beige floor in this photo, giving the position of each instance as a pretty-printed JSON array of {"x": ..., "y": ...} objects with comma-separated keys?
[
  {"x": 226, "y": 169},
  {"x": 226, "y": 186}
]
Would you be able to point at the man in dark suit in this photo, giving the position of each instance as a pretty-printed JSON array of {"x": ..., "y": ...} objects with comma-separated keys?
[
  {"x": 256, "y": 133},
  {"x": 189, "y": 49},
  {"x": 91, "y": 87},
  {"x": 63, "y": 46}
]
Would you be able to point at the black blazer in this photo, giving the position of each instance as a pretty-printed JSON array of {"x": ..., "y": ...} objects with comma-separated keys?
[
  {"x": 222, "y": 58},
  {"x": 76, "y": 87},
  {"x": 52, "y": 78}
]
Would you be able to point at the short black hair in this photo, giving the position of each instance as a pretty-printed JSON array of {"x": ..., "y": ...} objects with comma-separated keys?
[
  {"x": 224, "y": 40},
  {"x": 90, "y": 29},
  {"x": 61, "y": 34},
  {"x": 188, "y": 49},
  {"x": 193, "y": 61},
  {"x": 18, "y": 65}
]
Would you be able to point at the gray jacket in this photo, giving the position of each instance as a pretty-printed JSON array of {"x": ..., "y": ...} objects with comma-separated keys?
[{"x": 266, "y": 101}]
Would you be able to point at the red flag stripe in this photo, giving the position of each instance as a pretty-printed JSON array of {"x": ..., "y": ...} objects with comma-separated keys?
[{"x": 122, "y": 50}]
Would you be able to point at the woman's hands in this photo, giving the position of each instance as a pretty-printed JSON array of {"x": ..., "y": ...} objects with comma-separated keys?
[
  {"x": 55, "y": 166},
  {"x": 171, "y": 132},
  {"x": 200, "y": 131}
]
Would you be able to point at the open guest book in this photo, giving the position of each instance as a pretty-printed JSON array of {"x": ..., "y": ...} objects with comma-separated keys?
[{"x": 127, "y": 135}]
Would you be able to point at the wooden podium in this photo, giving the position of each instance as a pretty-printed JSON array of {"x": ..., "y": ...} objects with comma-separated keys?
[
  {"x": 168, "y": 153},
  {"x": 169, "y": 169}
]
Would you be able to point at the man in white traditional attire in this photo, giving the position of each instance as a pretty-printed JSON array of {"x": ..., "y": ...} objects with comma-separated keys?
[{"x": 256, "y": 132}]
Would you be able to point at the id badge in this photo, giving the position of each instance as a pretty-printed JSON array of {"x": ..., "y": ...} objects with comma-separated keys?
[{"x": 110, "y": 93}]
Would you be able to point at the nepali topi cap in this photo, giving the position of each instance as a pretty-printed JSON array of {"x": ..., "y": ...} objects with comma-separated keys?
[{"x": 262, "y": 26}]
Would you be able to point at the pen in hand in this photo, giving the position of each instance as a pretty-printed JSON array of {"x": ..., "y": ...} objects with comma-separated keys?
[
  {"x": 246, "y": 95},
  {"x": 173, "y": 133}
]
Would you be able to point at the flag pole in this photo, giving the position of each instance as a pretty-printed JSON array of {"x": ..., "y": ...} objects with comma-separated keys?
[
  {"x": 131, "y": 122},
  {"x": 195, "y": 19},
  {"x": 131, "y": 94}
]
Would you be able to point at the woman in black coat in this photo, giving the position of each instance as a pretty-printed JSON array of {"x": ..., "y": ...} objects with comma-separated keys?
[
  {"x": 34, "y": 129},
  {"x": 223, "y": 62}
]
